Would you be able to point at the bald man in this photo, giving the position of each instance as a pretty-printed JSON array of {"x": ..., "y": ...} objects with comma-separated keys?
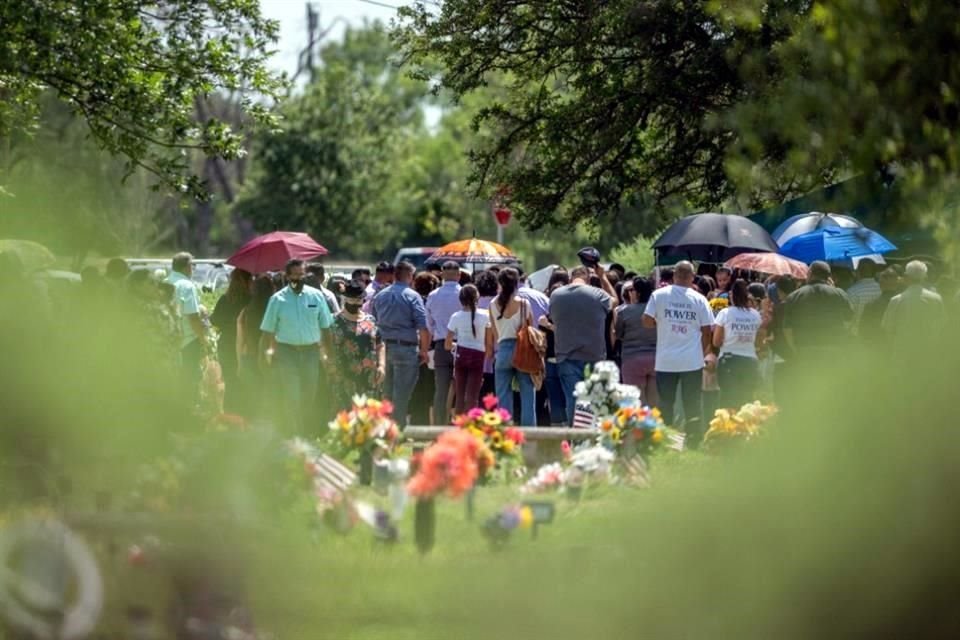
[{"x": 684, "y": 323}]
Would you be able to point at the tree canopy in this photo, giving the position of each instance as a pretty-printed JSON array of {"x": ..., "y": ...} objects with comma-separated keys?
[
  {"x": 610, "y": 103},
  {"x": 136, "y": 71}
]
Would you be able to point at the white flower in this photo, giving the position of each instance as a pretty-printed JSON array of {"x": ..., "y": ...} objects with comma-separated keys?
[{"x": 581, "y": 390}]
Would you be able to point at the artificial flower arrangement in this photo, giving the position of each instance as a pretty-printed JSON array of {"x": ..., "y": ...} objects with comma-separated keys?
[
  {"x": 490, "y": 425},
  {"x": 366, "y": 427},
  {"x": 729, "y": 426},
  {"x": 718, "y": 304},
  {"x": 602, "y": 390},
  {"x": 510, "y": 518},
  {"x": 633, "y": 430},
  {"x": 328, "y": 489},
  {"x": 450, "y": 466}
]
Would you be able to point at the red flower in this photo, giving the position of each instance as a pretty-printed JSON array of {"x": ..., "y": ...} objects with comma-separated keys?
[
  {"x": 514, "y": 434},
  {"x": 490, "y": 402}
]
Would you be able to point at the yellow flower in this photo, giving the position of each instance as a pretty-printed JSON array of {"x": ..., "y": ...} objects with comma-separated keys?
[
  {"x": 622, "y": 419},
  {"x": 656, "y": 413},
  {"x": 496, "y": 439},
  {"x": 657, "y": 436},
  {"x": 508, "y": 446},
  {"x": 478, "y": 433},
  {"x": 526, "y": 518},
  {"x": 360, "y": 439},
  {"x": 491, "y": 419},
  {"x": 615, "y": 435}
]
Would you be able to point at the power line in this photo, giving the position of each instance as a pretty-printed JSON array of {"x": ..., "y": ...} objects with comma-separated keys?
[{"x": 379, "y": 4}]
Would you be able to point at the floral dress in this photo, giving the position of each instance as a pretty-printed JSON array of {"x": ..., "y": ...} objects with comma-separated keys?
[{"x": 354, "y": 359}]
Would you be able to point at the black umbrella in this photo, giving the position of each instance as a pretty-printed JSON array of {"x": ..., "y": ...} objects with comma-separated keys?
[{"x": 713, "y": 237}]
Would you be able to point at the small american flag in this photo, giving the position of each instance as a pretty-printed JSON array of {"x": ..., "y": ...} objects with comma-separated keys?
[
  {"x": 636, "y": 471},
  {"x": 583, "y": 418},
  {"x": 332, "y": 474},
  {"x": 675, "y": 441}
]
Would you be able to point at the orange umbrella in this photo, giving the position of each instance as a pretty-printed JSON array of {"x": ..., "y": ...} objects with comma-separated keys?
[
  {"x": 474, "y": 251},
  {"x": 772, "y": 263}
]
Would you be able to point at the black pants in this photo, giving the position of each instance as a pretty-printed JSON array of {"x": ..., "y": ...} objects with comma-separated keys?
[
  {"x": 690, "y": 385},
  {"x": 739, "y": 378}
]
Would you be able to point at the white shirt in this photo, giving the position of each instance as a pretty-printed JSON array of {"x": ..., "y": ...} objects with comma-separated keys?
[
  {"x": 740, "y": 327},
  {"x": 507, "y": 326},
  {"x": 460, "y": 326},
  {"x": 681, "y": 313}
]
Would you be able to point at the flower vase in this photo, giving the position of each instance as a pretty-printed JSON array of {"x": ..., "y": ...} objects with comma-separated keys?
[
  {"x": 366, "y": 468},
  {"x": 425, "y": 524}
]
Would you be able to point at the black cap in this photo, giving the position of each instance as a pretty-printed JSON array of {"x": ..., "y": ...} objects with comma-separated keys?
[{"x": 589, "y": 256}]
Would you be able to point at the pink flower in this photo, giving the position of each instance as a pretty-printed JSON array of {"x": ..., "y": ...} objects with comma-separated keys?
[
  {"x": 475, "y": 414},
  {"x": 566, "y": 449},
  {"x": 490, "y": 402},
  {"x": 504, "y": 415}
]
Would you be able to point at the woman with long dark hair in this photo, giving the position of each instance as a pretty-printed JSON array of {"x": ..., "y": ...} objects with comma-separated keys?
[
  {"x": 638, "y": 344},
  {"x": 487, "y": 287},
  {"x": 735, "y": 335},
  {"x": 508, "y": 314},
  {"x": 467, "y": 329},
  {"x": 224, "y": 318},
  {"x": 251, "y": 378}
]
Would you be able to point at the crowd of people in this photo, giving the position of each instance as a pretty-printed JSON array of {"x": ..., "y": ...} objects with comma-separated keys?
[{"x": 295, "y": 347}]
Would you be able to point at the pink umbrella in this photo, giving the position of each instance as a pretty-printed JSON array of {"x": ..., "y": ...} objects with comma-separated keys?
[
  {"x": 271, "y": 252},
  {"x": 771, "y": 263}
]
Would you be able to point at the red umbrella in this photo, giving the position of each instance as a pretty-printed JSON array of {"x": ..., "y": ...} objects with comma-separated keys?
[
  {"x": 271, "y": 252},
  {"x": 772, "y": 263}
]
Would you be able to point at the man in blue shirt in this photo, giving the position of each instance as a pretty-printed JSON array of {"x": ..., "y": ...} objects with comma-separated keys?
[
  {"x": 402, "y": 324},
  {"x": 441, "y": 304},
  {"x": 294, "y": 320}
]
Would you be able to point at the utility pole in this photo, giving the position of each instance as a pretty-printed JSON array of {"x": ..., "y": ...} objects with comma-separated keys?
[
  {"x": 305, "y": 60},
  {"x": 313, "y": 23}
]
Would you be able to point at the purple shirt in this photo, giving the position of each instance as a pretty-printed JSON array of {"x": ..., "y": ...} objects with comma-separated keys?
[
  {"x": 539, "y": 303},
  {"x": 441, "y": 304}
]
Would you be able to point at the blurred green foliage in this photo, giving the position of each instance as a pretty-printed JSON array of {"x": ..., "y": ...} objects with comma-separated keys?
[{"x": 136, "y": 74}]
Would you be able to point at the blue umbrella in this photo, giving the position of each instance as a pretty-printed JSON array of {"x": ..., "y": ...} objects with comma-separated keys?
[
  {"x": 807, "y": 222},
  {"x": 836, "y": 243}
]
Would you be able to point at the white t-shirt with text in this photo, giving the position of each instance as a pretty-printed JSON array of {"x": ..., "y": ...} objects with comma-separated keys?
[
  {"x": 681, "y": 313},
  {"x": 460, "y": 326},
  {"x": 740, "y": 327}
]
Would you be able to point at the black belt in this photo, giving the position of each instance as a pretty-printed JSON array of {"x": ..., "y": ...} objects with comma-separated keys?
[
  {"x": 403, "y": 343},
  {"x": 298, "y": 347}
]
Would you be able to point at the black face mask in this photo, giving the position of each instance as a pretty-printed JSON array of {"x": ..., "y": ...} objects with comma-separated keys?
[{"x": 352, "y": 309}]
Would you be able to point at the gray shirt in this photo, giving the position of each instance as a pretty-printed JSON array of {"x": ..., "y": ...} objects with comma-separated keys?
[
  {"x": 634, "y": 338},
  {"x": 579, "y": 312}
]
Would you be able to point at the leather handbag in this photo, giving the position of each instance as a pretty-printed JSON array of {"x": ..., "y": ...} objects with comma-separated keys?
[{"x": 531, "y": 346}]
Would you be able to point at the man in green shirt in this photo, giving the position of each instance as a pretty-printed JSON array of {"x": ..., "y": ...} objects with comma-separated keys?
[{"x": 295, "y": 318}]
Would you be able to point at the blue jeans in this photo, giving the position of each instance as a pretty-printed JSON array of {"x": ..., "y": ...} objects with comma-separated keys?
[
  {"x": 403, "y": 371},
  {"x": 570, "y": 372},
  {"x": 298, "y": 374},
  {"x": 558, "y": 401},
  {"x": 504, "y": 373}
]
